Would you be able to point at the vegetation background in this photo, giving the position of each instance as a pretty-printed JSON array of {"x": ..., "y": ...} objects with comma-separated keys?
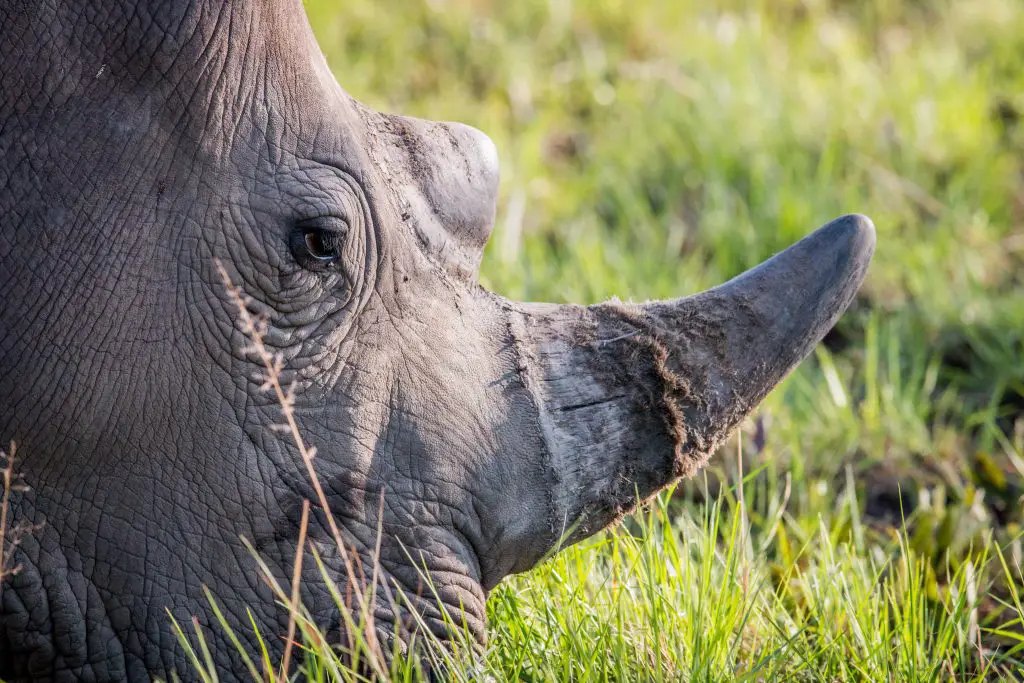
[{"x": 866, "y": 522}]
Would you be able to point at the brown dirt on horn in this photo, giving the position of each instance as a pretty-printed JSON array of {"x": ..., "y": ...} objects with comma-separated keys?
[{"x": 676, "y": 390}]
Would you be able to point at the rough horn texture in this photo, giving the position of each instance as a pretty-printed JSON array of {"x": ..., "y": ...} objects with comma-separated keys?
[
  {"x": 141, "y": 142},
  {"x": 631, "y": 396}
]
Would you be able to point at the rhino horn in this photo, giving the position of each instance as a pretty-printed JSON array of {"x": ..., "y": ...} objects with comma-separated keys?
[{"x": 633, "y": 396}]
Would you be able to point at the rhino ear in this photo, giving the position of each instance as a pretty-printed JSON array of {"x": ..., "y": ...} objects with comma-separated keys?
[{"x": 447, "y": 180}]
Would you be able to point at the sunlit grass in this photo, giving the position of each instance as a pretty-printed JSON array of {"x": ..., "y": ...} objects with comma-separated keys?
[{"x": 704, "y": 594}]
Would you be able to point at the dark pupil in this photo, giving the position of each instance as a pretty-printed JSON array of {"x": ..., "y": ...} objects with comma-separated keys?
[{"x": 321, "y": 245}]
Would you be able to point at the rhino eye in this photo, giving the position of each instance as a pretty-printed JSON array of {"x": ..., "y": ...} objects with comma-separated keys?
[
  {"x": 321, "y": 245},
  {"x": 317, "y": 244}
]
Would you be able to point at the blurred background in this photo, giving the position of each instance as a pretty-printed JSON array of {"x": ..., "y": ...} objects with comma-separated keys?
[{"x": 653, "y": 148}]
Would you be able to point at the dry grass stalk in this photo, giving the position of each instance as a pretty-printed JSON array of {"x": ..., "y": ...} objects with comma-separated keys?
[
  {"x": 296, "y": 576},
  {"x": 10, "y": 535},
  {"x": 255, "y": 329},
  {"x": 5, "y": 502}
]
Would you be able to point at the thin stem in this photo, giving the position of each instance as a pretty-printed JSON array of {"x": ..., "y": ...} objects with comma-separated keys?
[
  {"x": 255, "y": 330},
  {"x": 296, "y": 576},
  {"x": 8, "y": 474}
]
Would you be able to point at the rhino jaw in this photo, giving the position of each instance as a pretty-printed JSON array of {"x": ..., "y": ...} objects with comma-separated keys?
[{"x": 633, "y": 396}]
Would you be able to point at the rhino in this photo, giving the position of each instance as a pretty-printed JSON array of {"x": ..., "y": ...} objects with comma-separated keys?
[{"x": 144, "y": 143}]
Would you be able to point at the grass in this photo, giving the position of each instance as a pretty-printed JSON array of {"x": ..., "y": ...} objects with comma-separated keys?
[
  {"x": 7, "y": 486},
  {"x": 870, "y": 526},
  {"x": 865, "y": 524}
]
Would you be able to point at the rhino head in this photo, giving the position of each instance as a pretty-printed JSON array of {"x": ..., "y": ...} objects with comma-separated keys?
[{"x": 142, "y": 142}]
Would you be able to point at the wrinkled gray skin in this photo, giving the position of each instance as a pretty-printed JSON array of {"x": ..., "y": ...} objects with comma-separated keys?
[{"x": 139, "y": 141}]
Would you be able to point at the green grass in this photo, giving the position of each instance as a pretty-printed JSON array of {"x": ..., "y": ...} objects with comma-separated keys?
[{"x": 654, "y": 148}]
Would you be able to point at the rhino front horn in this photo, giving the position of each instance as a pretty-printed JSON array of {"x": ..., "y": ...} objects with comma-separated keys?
[{"x": 633, "y": 396}]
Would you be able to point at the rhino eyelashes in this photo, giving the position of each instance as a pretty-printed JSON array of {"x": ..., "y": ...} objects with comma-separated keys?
[
  {"x": 321, "y": 245},
  {"x": 317, "y": 243}
]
